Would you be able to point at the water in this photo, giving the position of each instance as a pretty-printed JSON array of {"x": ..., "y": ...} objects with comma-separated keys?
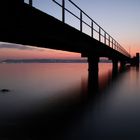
[{"x": 57, "y": 101}]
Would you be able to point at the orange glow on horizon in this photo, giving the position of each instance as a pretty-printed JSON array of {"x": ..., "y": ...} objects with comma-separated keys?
[
  {"x": 30, "y": 52},
  {"x": 132, "y": 47},
  {"x": 8, "y": 53}
]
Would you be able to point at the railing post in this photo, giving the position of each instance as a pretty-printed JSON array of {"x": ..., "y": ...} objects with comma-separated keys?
[
  {"x": 105, "y": 38},
  {"x": 63, "y": 11},
  {"x": 109, "y": 40},
  {"x": 81, "y": 20},
  {"x": 100, "y": 34},
  {"x": 31, "y": 2},
  {"x": 115, "y": 45},
  {"x": 92, "y": 29},
  {"x": 112, "y": 42}
]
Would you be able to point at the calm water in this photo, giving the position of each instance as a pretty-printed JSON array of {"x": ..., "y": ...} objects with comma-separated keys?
[{"x": 55, "y": 101}]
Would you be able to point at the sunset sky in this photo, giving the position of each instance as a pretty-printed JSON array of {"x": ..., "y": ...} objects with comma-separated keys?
[{"x": 120, "y": 18}]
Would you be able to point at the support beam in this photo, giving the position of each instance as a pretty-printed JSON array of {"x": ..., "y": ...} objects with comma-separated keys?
[
  {"x": 93, "y": 64},
  {"x": 115, "y": 65},
  {"x": 122, "y": 64},
  {"x": 137, "y": 59},
  {"x": 93, "y": 81}
]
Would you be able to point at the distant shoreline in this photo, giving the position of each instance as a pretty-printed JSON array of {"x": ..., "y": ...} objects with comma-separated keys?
[{"x": 8, "y": 61}]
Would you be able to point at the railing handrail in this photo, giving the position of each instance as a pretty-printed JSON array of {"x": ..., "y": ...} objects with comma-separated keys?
[{"x": 101, "y": 32}]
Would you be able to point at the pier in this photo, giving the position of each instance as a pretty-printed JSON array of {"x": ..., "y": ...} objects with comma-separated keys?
[{"x": 22, "y": 23}]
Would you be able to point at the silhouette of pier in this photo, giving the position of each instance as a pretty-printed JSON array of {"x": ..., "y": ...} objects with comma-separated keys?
[{"x": 22, "y": 23}]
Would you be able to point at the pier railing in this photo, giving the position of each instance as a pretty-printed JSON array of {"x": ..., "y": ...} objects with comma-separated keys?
[{"x": 96, "y": 31}]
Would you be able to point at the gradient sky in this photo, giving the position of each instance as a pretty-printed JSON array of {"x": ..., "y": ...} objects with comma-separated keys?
[{"x": 120, "y": 18}]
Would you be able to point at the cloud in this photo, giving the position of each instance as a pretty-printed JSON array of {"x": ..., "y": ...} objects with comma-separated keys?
[
  {"x": 15, "y": 46},
  {"x": 4, "y": 45}
]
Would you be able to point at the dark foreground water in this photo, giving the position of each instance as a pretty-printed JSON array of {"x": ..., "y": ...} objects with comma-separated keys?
[{"x": 58, "y": 101}]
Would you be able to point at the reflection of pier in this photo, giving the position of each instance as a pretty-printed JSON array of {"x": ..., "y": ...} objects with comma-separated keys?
[
  {"x": 31, "y": 26},
  {"x": 97, "y": 84}
]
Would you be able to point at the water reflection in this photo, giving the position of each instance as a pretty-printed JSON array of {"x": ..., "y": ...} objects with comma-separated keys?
[
  {"x": 99, "y": 83},
  {"x": 67, "y": 104}
]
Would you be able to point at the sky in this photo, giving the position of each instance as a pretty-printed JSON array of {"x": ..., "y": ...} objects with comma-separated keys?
[{"x": 120, "y": 18}]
